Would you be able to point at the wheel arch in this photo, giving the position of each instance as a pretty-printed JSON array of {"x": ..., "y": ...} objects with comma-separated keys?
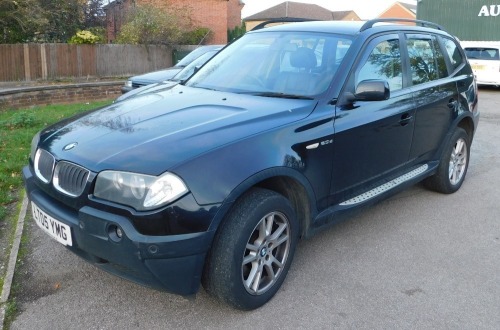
[
  {"x": 467, "y": 123},
  {"x": 285, "y": 181},
  {"x": 296, "y": 193}
]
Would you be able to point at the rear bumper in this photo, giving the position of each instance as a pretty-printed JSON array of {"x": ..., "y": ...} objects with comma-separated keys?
[
  {"x": 172, "y": 263},
  {"x": 488, "y": 83}
]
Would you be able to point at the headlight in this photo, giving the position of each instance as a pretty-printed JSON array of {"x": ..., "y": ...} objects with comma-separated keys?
[
  {"x": 142, "y": 192},
  {"x": 128, "y": 83},
  {"x": 34, "y": 146}
]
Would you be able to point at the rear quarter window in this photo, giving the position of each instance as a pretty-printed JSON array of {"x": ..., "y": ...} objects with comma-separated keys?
[{"x": 453, "y": 52}]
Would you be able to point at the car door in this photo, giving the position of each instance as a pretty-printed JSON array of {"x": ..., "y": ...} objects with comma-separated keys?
[
  {"x": 436, "y": 96},
  {"x": 372, "y": 138}
]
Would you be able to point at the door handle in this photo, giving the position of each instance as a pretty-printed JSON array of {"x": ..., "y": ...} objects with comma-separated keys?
[{"x": 405, "y": 119}]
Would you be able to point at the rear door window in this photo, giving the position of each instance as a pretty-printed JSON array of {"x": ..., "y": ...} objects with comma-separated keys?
[{"x": 426, "y": 59}]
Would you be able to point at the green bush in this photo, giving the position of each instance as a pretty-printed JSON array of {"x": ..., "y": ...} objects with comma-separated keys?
[
  {"x": 146, "y": 24},
  {"x": 149, "y": 25},
  {"x": 196, "y": 36},
  {"x": 238, "y": 31},
  {"x": 84, "y": 37}
]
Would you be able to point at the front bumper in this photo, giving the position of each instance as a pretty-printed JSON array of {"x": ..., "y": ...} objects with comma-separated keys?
[{"x": 172, "y": 263}]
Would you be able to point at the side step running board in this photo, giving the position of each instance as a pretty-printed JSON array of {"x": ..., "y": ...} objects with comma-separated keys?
[{"x": 385, "y": 187}]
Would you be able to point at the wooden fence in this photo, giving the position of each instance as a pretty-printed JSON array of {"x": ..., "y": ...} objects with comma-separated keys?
[{"x": 29, "y": 62}]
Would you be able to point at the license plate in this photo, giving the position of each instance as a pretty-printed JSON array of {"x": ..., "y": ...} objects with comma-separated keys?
[
  {"x": 478, "y": 67},
  {"x": 55, "y": 228}
]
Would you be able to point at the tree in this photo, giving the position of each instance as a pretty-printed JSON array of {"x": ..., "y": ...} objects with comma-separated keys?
[
  {"x": 65, "y": 17},
  {"x": 49, "y": 20},
  {"x": 19, "y": 20},
  {"x": 94, "y": 15},
  {"x": 161, "y": 26}
]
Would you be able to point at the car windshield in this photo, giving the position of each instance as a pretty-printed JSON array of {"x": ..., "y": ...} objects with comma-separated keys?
[
  {"x": 481, "y": 53},
  {"x": 194, "y": 55},
  {"x": 188, "y": 71},
  {"x": 275, "y": 64}
]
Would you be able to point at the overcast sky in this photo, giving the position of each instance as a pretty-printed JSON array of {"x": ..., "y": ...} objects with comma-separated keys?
[{"x": 364, "y": 8}]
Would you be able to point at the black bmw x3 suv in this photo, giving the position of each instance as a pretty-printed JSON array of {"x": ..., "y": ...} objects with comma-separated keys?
[{"x": 287, "y": 130}]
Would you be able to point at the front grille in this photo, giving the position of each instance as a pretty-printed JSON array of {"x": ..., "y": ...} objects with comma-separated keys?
[
  {"x": 70, "y": 178},
  {"x": 44, "y": 165}
]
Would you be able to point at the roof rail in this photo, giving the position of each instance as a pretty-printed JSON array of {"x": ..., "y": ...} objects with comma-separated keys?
[
  {"x": 369, "y": 24},
  {"x": 281, "y": 20}
]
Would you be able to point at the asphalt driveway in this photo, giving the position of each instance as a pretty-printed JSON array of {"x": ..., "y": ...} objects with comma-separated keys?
[{"x": 420, "y": 260}]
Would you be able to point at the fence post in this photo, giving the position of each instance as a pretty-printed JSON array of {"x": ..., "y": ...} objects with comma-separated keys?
[
  {"x": 79, "y": 65},
  {"x": 27, "y": 72},
  {"x": 43, "y": 57}
]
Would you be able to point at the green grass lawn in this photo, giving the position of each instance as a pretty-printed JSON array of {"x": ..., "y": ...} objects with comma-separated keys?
[{"x": 17, "y": 127}]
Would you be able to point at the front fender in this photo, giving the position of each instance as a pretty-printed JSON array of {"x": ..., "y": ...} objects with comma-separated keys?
[
  {"x": 215, "y": 176},
  {"x": 298, "y": 188}
]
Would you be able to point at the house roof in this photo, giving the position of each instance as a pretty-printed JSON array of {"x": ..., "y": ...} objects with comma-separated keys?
[
  {"x": 293, "y": 9},
  {"x": 410, "y": 7},
  {"x": 340, "y": 15}
]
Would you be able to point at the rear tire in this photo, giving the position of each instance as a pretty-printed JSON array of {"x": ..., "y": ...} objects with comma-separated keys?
[
  {"x": 453, "y": 164},
  {"x": 252, "y": 250}
]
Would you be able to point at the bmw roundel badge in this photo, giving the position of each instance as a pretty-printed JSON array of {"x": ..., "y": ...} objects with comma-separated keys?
[{"x": 70, "y": 146}]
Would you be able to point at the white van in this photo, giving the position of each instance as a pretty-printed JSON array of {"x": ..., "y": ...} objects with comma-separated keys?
[{"x": 484, "y": 57}]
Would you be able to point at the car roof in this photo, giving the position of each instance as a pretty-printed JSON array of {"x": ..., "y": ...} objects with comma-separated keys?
[
  {"x": 354, "y": 27},
  {"x": 195, "y": 53},
  {"x": 349, "y": 27}
]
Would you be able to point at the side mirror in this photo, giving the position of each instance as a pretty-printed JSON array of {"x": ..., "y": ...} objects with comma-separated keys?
[{"x": 372, "y": 90}]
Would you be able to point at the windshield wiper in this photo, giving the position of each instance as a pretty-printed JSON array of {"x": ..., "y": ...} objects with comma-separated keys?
[
  {"x": 278, "y": 95},
  {"x": 202, "y": 87}
]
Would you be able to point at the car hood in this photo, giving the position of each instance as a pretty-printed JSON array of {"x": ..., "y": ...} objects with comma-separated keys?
[
  {"x": 153, "y": 132},
  {"x": 155, "y": 87},
  {"x": 156, "y": 76}
]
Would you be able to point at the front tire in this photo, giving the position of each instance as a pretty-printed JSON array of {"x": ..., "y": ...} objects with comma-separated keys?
[
  {"x": 453, "y": 164},
  {"x": 252, "y": 251}
]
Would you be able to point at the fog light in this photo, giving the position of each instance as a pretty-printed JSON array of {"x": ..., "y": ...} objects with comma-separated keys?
[
  {"x": 153, "y": 249},
  {"x": 115, "y": 233}
]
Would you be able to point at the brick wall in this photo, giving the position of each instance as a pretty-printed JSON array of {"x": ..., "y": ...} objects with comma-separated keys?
[
  {"x": 234, "y": 13},
  {"x": 29, "y": 96},
  {"x": 217, "y": 15},
  {"x": 115, "y": 17},
  {"x": 207, "y": 13}
]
